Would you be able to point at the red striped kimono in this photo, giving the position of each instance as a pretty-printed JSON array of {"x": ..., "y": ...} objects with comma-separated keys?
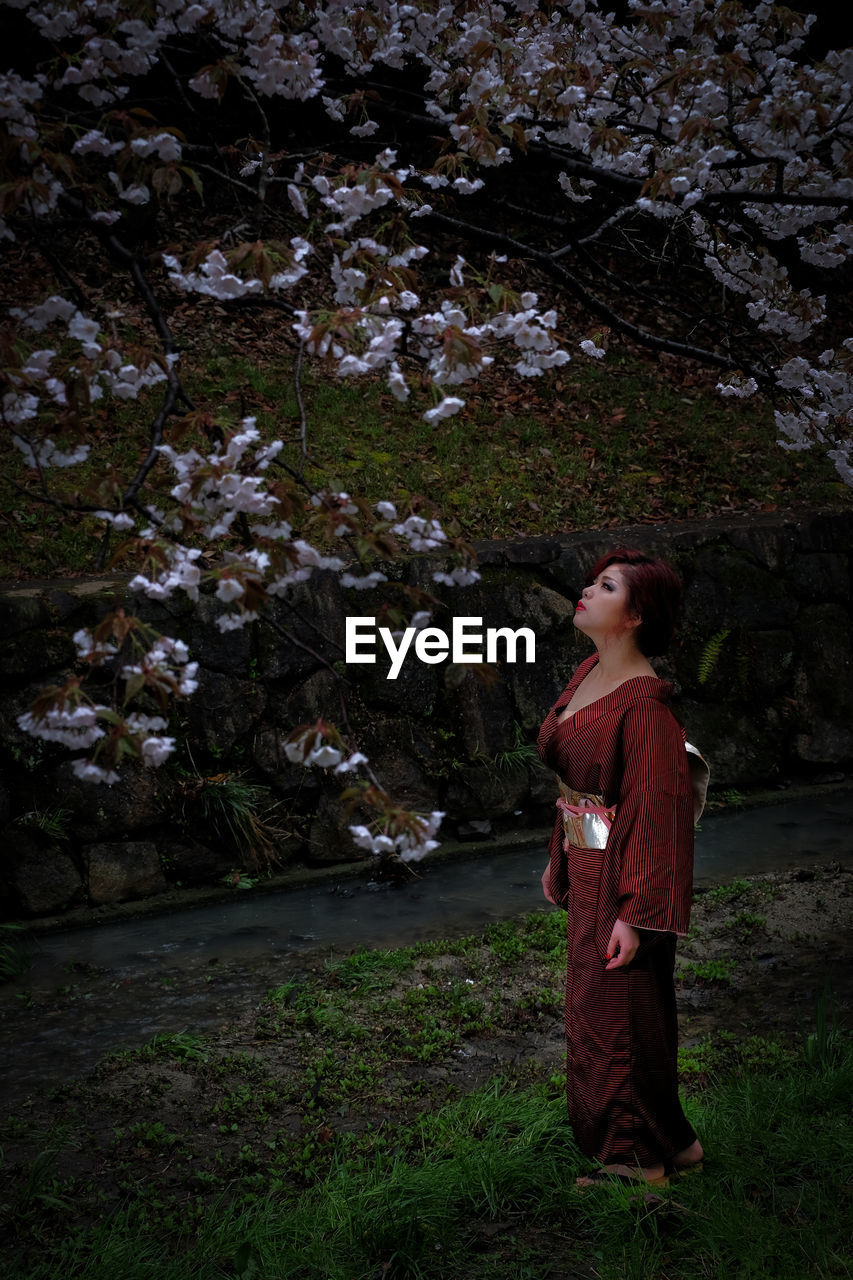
[{"x": 621, "y": 1027}]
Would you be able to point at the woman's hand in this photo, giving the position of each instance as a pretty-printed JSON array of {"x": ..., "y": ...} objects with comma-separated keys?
[
  {"x": 623, "y": 945},
  {"x": 546, "y": 885}
]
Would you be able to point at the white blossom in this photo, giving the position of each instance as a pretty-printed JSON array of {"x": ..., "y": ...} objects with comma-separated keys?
[
  {"x": 229, "y": 589},
  {"x": 457, "y": 577},
  {"x": 74, "y": 727},
  {"x": 43, "y": 453},
  {"x": 96, "y": 143},
  {"x": 352, "y": 762},
  {"x": 324, "y": 757},
  {"x": 214, "y": 279},
  {"x": 444, "y": 409},
  {"x": 740, "y": 388},
  {"x": 87, "y": 771},
  {"x": 456, "y": 276},
  {"x": 364, "y": 582},
  {"x": 236, "y": 621},
  {"x": 90, "y": 649},
  {"x": 136, "y": 193},
  {"x": 155, "y": 750},
  {"x": 164, "y": 145},
  {"x": 54, "y": 308},
  {"x": 118, "y": 519},
  {"x": 83, "y": 329},
  {"x": 420, "y": 533}
]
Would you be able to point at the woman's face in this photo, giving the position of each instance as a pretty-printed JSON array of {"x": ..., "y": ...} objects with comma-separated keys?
[{"x": 603, "y": 610}]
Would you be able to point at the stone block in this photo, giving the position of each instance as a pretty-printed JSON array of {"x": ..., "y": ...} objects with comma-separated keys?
[
  {"x": 194, "y": 864},
  {"x": 567, "y": 573},
  {"x": 414, "y": 690},
  {"x": 729, "y": 590},
  {"x": 224, "y": 709},
  {"x": 543, "y": 784},
  {"x": 537, "y": 606},
  {"x": 825, "y": 531},
  {"x": 742, "y": 749},
  {"x": 750, "y": 666},
  {"x": 768, "y": 543},
  {"x": 534, "y": 690},
  {"x": 224, "y": 651},
  {"x": 404, "y": 758},
  {"x": 329, "y": 839},
  {"x": 309, "y": 623},
  {"x": 268, "y": 754},
  {"x": 139, "y": 800},
  {"x": 825, "y": 662},
  {"x": 44, "y": 877},
  {"x": 819, "y": 576},
  {"x": 33, "y": 653},
  {"x": 482, "y": 716},
  {"x": 825, "y": 742},
  {"x": 123, "y": 872},
  {"x": 481, "y": 791},
  {"x": 22, "y": 609},
  {"x": 318, "y": 695}
]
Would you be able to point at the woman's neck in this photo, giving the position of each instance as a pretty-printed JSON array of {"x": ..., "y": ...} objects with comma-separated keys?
[{"x": 619, "y": 659}]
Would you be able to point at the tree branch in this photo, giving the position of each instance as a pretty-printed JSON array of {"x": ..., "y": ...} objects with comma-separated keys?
[
  {"x": 596, "y": 305},
  {"x": 297, "y": 382},
  {"x": 735, "y": 195},
  {"x": 174, "y": 392}
]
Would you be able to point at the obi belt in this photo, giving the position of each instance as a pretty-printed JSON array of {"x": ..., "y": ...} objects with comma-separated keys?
[{"x": 587, "y": 820}]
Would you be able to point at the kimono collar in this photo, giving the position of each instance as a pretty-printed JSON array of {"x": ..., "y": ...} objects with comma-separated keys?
[{"x": 629, "y": 691}]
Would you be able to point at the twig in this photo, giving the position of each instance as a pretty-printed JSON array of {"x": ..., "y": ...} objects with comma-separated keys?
[
  {"x": 174, "y": 392},
  {"x": 83, "y": 303},
  {"x": 276, "y": 626},
  {"x": 263, "y": 176},
  {"x": 590, "y": 300},
  {"x": 103, "y": 549},
  {"x": 84, "y": 508},
  {"x": 303, "y": 421}
]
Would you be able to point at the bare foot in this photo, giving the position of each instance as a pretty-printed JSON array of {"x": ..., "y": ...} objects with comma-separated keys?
[{"x": 689, "y": 1156}]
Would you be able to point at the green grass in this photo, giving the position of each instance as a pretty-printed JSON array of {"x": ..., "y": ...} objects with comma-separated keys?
[
  {"x": 726, "y": 893},
  {"x": 481, "y": 1186},
  {"x": 614, "y": 443},
  {"x": 708, "y": 971},
  {"x": 600, "y": 442},
  {"x": 190, "y": 1169}
]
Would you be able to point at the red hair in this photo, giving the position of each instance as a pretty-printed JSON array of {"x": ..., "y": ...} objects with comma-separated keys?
[{"x": 654, "y": 592}]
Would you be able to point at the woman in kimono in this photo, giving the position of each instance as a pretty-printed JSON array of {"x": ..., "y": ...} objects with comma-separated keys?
[{"x": 621, "y": 863}]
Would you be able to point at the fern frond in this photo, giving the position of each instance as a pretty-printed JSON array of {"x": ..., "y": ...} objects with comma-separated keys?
[{"x": 711, "y": 653}]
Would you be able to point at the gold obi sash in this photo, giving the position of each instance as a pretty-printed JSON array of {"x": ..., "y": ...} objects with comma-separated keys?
[{"x": 586, "y": 819}]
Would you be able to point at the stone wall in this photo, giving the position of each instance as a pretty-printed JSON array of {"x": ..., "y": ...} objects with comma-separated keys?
[{"x": 772, "y": 592}]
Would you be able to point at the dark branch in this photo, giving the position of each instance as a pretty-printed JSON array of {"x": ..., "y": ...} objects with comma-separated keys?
[
  {"x": 596, "y": 305},
  {"x": 174, "y": 392}
]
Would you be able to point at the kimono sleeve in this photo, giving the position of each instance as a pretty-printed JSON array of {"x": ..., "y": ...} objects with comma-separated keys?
[{"x": 652, "y": 833}]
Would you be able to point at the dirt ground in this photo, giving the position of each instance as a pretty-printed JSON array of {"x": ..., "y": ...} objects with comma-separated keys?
[{"x": 277, "y": 1085}]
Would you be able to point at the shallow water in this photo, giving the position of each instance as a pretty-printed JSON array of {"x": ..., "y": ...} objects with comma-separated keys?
[{"x": 115, "y": 986}]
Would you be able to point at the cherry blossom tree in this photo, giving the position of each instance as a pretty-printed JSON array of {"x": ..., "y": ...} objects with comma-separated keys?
[{"x": 374, "y": 175}]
